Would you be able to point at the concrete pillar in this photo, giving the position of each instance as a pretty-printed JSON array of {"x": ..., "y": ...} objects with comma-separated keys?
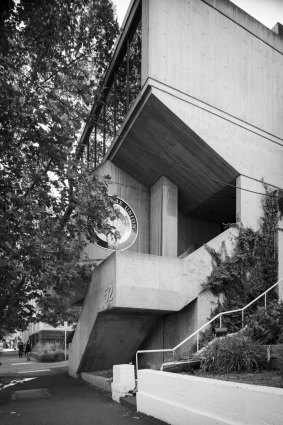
[
  {"x": 164, "y": 218},
  {"x": 249, "y": 204}
]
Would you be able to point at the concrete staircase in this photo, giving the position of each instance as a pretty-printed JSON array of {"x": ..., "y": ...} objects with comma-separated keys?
[{"x": 127, "y": 293}]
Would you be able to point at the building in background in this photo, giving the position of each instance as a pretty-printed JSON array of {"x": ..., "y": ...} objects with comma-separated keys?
[
  {"x": 42, "y": 333},
  {"x": 192, "y": 106}
]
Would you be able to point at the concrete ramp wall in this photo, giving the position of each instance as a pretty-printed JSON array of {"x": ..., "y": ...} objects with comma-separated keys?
[
  {"x": 199, "y": 263},
  {"x": 174, "y": 327},
  {"x": 127, "y": 293}
]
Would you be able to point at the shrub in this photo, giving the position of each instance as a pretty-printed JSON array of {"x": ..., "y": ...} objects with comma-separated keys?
[
  {"x": 231, "y": 354},
  {"x": 266, "y": 326},
  {"x": 49, "y": 352}
]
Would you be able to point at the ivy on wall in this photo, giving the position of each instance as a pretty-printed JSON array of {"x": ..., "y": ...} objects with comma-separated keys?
[{"x": 253, "y": 266}]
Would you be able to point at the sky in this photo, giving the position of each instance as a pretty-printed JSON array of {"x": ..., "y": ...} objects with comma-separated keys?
[{"x": 268, "y": 12}]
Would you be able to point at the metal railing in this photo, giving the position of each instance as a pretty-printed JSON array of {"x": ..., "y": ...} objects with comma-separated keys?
[{"x": 218, "y": 316}]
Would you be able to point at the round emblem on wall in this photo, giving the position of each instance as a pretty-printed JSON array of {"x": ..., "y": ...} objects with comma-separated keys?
[{"x": 127, "y": 226}]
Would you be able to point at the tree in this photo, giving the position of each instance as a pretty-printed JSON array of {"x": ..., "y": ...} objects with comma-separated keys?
[{"x": 52, "y": 55}]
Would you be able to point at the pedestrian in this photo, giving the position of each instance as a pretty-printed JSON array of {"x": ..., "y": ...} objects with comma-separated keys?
[
  {"x": 1, "y": 349},
  {"x": 21, "y": 349},
  {"x": 28, "y": 351}
]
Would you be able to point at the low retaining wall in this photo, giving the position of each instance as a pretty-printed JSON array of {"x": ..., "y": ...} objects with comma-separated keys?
[
  {"x": 185, "y": 399},
  {"x": 98, "y": 379}
]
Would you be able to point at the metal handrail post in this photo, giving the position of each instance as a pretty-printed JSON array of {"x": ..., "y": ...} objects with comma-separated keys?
[{"x": 243, "y": 312}]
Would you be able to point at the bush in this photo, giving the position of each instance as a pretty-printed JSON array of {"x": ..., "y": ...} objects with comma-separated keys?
[
  {"x": 231, "y": 354},
  {"x": 266, "y": 326},
  {"x": 48, "y": 352}
]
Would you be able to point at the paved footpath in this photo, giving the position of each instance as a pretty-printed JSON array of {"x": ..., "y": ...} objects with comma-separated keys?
[{"x": 55, "y": 398}]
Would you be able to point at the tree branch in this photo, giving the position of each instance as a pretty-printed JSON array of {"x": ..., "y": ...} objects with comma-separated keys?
[{"x": 32, "y": 186}]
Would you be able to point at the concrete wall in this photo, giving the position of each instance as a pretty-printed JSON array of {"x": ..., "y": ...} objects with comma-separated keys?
[
  {"x": 157, "y": 283},
  {"x": 168, "y": 331},
  {"x": 219, "y": 70},
  {"x": 127, "y": 284},
  {"x": 248, "y": 204},
  {"x": 137, "y": 196},
  {"x": 94, "y": 302},
  {"x": 193, "y": 233},
  {"x": 196, "y": 49},
  {"x": 183, "y": 399},
  {"x": 172, "y": 328},
  {"x": 248, "y": 150}
]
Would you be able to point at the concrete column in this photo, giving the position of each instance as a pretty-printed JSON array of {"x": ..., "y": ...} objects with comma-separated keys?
[
  {"x": 164, "y": 218},
  {"x": 249, "y": 204}
]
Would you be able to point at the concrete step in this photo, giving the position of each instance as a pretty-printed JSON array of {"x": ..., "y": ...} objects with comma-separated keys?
[
  {"x": 182, "y": 366},
  {"x": 130, "y": 401},
  {"x": 100, "y": 379}
]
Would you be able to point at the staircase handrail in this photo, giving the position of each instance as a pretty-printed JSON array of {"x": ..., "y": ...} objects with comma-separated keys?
[{"x": 219, "y": 315}]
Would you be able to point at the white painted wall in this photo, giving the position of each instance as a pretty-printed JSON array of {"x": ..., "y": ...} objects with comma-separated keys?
[{"x": 184, "y": 399}]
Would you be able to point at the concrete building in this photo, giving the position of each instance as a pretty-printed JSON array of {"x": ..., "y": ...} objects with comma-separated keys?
[{"x": 196, "y": 121}]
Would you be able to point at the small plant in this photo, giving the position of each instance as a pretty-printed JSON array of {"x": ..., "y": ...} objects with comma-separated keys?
[
  {"x": 253, "y": 266},
  {"x": 266, "y": 326},
  {"x": 231, "y": 354}
]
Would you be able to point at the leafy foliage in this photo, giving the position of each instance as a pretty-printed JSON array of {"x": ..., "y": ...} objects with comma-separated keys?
[
  {"x": 266, "y": 326},
  {"x": 48, "y": 352},
  {"x": 251, "y": 269},
  {"x": 52, "y": 55},
  {"x": 230, "y": 354}
]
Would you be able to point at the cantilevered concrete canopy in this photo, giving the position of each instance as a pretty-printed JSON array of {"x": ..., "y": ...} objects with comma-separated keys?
[{"x": 157, "y": 143}]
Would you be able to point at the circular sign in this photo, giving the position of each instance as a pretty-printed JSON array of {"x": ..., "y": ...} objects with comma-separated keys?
[{"x": 127, "y": 225}]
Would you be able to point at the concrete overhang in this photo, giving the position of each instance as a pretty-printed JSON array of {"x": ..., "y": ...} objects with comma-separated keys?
[{"x": 154, "y": 142}]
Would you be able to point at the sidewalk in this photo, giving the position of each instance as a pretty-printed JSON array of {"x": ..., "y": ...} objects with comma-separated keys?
[{"x": 55, "y": 398}]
